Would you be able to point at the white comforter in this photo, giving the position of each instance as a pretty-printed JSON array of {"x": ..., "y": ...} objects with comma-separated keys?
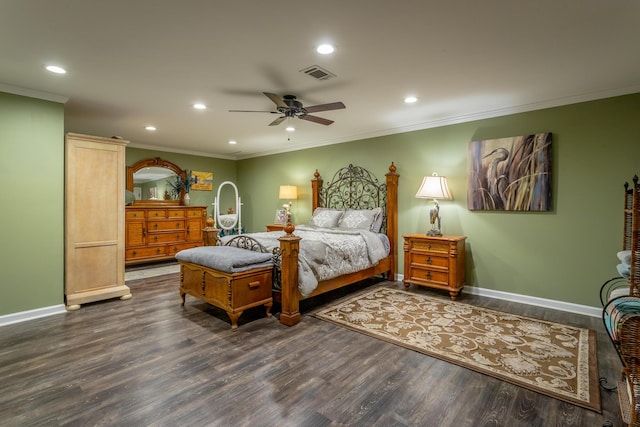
[{"x": 326, "y": 253}]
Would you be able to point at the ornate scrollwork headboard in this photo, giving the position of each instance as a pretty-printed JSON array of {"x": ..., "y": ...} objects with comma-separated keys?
[{"x": 354, "y": 187}]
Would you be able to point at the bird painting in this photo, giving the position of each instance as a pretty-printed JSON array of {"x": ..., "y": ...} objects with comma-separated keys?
[{"x": 510, "y": 174}]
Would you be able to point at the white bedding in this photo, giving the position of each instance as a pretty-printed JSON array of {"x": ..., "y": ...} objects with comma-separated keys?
[{"x": 326, "y": 253}]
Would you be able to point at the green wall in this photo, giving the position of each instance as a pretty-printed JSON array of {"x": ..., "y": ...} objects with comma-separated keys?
[
  {"x": 32, "y": 168},
  {"x": 561, "y": 255},
  {"x": 223, "y": 170}
]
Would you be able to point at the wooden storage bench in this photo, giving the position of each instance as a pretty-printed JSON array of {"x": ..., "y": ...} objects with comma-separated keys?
[{"x": 229, "y": 278}]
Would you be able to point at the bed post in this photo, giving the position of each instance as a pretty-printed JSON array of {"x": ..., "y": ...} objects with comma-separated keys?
[
  {"x": 290, "y": 311},
  {"x": 392, "y": 217},
  {"x": 316, "y": 185}
]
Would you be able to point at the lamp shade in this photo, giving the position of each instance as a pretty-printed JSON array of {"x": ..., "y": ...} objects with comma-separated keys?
[
  {"x": 289, "y": 192},
  {"x": 434, "y": 187}
]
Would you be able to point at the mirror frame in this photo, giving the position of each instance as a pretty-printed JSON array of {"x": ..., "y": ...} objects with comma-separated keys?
[{"x": 157, "y": 162}]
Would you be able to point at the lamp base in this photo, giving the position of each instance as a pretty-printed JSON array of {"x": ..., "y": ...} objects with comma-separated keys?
[{"x": 434, "y": 233}]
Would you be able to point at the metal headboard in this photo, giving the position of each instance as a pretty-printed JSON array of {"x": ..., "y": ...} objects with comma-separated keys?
[{"x": 354, "y": 187}]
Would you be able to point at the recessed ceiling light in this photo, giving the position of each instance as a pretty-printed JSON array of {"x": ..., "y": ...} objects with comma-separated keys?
[
  {"x": 56, "y": 69},
  {"x": 232, "y": 142},
  {"x": 199, "y": 106},
  {"x": 150, "y": 128},
  {"x": 410, "y": 99},
  {"x": 290, "y": 129},
  {"x": 325, "y": 49}
]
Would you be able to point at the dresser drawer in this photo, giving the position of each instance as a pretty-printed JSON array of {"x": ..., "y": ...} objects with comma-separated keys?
[
  {"x": 145, "y": 252},
  {"x": 156, "y": 213},
  {"x": 176, "y": 224},
  {"x": 134, "y": 214},
  {"x": 177, "y": 247},
  {"x": 428, "y": 260},
  {"x": 195, "y": 213},
  {"x": 177, "y": 236},
  {"x": 172, "y": 213}
]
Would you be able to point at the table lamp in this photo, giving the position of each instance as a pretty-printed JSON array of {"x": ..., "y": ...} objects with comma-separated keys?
[{"x": 434, "y": 187}]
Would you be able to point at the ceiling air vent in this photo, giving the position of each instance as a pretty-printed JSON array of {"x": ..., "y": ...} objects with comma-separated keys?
[{"x": 318, "y": 72}]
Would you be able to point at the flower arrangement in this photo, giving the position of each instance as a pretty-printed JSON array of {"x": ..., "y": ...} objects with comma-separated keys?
[{"x": 179, "y": 184}]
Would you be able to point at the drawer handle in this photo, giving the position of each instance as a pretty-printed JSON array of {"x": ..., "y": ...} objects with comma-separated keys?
[
  {"x": 155, "y": 238},
  {"x": 188, "y": 229},
  {"x": 177, "y": 225},
  {"x": 428, "y": 245},
  {"x": 144, "y": 233},
  {"x": 177, "y": 237},
  {"x": 253, "y": 285},
  {"x": 158, "y": 250},
  {"x": 429, "y": 260},
  {"x": 155, "y": 225},
  {"x": 134, "y": 253},
  {"x": 429, "y": 275}
]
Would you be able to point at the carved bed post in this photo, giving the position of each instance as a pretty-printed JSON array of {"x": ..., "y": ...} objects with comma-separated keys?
[
  {"x": 289, "y": 248},
  {"x": 392, "y": 217},
  {"x": 316, "y": 185}
]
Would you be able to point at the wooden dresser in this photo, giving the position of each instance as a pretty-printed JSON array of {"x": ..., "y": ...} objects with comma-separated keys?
[
  {"x": 157, "y": 233},
  {"x": 436, "y": 262}
]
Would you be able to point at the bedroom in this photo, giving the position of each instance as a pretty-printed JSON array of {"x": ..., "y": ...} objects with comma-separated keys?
[{"x": 562, "y": 256}]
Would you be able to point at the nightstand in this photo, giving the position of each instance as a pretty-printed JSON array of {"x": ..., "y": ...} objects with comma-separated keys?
[
  {"x": 275, "y": 227},
  {"x": 435, "y": 262}
]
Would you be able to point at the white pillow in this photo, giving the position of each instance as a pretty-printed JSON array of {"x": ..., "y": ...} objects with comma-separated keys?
[
  {"x": 359, "y": 219},
  {"x": 326, "y": 218}
]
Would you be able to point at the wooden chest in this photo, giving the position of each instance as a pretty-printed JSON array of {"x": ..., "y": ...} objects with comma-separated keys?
[{"x": 232, "y": 292}]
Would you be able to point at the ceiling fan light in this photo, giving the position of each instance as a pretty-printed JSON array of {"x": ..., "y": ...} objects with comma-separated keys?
[
  {"x": 199, "y": 106},
  {"x": 232, "y": 142},
  {"x": 325, "y": 49},
  {"x": 410, "y": 99},
  {"x": 150, "y": 128},
  {"x": 290, "y": 129}
]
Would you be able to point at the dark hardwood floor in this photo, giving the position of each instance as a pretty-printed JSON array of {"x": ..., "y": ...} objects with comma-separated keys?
[{"x": 150, "y": 362}]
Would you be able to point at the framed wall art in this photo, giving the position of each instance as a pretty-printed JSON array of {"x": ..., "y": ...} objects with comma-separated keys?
[
  {"x": 510, "y": 174},
  {"x": 202, "y": 180}
]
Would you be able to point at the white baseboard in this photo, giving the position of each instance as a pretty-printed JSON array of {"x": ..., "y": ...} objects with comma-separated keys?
[
  {"x": 23, "y": 316},
  {"x": 526, "y": 299}
]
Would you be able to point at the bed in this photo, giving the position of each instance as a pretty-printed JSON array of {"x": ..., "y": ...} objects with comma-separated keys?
[{"x": 357, "y": 193}]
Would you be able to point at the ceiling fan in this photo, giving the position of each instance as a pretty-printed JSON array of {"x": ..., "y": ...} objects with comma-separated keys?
[{"x": 289, "y": 106}]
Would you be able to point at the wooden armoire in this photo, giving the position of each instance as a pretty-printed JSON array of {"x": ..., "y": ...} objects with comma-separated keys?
[{"x": 94, "y": 219}]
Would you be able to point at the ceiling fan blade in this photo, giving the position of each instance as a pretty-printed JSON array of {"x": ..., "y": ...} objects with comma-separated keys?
[
  {"x": 277, "y": 121},
  {"x": 276, "y": 99},
  {"x": 325, "y": 107},
  {"x": 253, "y": 111},
  {"x": 316, "y": 119}
]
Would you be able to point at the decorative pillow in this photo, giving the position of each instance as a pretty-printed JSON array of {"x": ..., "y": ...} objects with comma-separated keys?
[
  {"x": 326, "y": 218},
  {"x": 377, "y": 224},
  {"x": 359, "y": 219},
  {"x": 625, "y": 257}
]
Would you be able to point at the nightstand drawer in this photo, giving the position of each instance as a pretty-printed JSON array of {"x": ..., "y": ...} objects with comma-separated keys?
[
  {"x": 435, "y": 276},
  {"x": 431, "y": 246},
  {"x": 427, "y": 260}
]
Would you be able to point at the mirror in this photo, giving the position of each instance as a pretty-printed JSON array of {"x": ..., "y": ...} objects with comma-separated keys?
[
  {"x": 227, "y": 209},
  {"x": 149, "y": 180}
]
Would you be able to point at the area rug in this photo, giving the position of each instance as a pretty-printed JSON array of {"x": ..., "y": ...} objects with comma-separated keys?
[{"x": 550, "y": 358}]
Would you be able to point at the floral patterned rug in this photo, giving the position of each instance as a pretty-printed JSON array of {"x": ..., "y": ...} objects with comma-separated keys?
[{"x": 550, "y": 358}]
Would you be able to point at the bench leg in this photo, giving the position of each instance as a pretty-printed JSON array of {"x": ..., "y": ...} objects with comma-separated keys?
[{"x": 234, "y": 319}]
